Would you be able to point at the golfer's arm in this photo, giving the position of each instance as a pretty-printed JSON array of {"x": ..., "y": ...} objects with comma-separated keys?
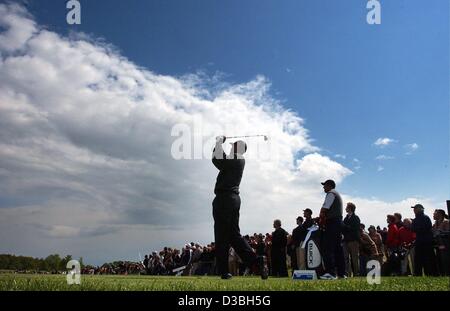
[{"x": 219, "y": 157}]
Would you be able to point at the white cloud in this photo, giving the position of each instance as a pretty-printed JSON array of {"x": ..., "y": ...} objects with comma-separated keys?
[
  {"x": 410, "y": 148},
  {"x": 85, "y": 146},
  {"x": 380, "y": 168},
  {"x": 320, "y": 168},
  {"x": 383, "y": 142},
  {"x": 383, "y": 157},
  {"x": 340, "y": 156}
]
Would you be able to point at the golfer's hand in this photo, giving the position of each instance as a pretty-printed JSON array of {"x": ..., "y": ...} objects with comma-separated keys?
[{"x": 220, "y": 139}]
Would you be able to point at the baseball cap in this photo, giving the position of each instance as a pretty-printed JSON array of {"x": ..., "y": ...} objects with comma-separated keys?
[
  {"x": 329, "y": 182},
  {"x": 417, "y": 206},
  {"x": 308, "y": 210}
]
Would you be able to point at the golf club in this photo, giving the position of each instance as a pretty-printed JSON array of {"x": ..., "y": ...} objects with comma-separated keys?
[{"x": 266, "y": 138}]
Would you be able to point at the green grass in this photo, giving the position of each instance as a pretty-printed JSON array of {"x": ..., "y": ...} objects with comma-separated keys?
[{"x": 18, "y": 282}]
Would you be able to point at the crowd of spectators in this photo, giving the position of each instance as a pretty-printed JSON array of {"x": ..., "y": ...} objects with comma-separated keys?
[{"x": 394, "y": 246}]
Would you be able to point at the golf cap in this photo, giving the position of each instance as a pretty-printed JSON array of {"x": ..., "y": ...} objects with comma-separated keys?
[
  {"x": 308, "y": 210},
  {"x": 330, "y": 183},
  {"x": 418, "y": 206}
]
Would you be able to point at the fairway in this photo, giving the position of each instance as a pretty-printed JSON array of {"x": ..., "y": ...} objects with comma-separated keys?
[{"x": 18, "y": 282}]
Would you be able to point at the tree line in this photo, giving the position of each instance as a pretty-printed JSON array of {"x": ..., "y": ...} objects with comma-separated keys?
[{"x": 52, "y": 263}]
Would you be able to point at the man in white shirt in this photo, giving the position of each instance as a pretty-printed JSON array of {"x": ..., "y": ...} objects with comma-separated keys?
[{"x": 331, "y": 222}]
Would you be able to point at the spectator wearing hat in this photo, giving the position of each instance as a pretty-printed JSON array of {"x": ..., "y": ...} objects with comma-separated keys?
[
  {"x": 424, "y": 258},
  {"x": 351, "y": 231},
  {"x": 330, "y": 220},
  {"x": 406, "y": 239},
  {"x": 441, "y": 235}
]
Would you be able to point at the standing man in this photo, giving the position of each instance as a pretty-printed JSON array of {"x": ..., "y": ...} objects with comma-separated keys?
[
  {"x": 351, "y": 230},
  {"x": 226, "y": 206},
  {"x": 295, "y": 245},
  {"x": 301, "y": 252},
  {"x": 424, "y": 258},
  {"x": 279, "y": 242},
  {"x": 330, "y": 219}
]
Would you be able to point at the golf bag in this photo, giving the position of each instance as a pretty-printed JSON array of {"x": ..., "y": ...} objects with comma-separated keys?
[{"x": 313, "y": 254}]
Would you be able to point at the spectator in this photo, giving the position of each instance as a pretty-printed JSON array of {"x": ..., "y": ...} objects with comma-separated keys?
[
  {"x": 376, "y": 237},
  {"x": 296, "y": 240},
  {"x": 424, "y": 258},
  {"x": 351, "y": 231},
  {"x": 367, "y": 249},
  {"x": 392, "y": 245},
  {"x": 233, "y": 262},
  {"x": 392, "y": 239},
  {"x": 398, "y": 220},
  {"x": 279, "y": 242},
  {"x": 406, "y": 239},
  {"x": 441, "y": 235},
  {"x": 301, "y": 252},
  {"x": 145, "y": 263}
]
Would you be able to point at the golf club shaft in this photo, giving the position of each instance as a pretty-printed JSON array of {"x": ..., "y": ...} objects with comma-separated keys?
[{"x": 246, "y": 136}]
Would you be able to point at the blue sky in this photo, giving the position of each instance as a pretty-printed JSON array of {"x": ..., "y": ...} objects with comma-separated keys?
[{"x": 351, "y": 82}]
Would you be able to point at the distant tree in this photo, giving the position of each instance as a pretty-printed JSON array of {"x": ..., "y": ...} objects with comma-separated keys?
[
  {"x": 53, "y": 262},
  {"x": 81, "y": 262},
  {"x": 64, "y": 261}
]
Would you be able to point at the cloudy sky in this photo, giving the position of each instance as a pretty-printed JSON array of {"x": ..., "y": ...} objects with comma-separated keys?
[{"x": 87, "y": 115}]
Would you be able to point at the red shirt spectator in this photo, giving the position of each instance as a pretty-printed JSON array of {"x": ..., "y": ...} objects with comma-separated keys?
[
  {"x": 392, "y": 240},
  {"x": 406, "y": 236}
]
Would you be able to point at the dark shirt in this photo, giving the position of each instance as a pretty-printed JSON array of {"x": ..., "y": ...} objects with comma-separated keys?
[
  {"x": 279, "y": 239},
  {"x": 261, "y": 249},
  {"x": 296, "y": 235},
  {"x": 230, "y": 171},
  {"x": 422, "y": 226},
  {"x": 350, "y": 228},
  {"x": 299, "y": 233}
]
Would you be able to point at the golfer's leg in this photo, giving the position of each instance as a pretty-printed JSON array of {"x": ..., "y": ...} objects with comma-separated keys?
[
  {"x": 330, "y": 249},
  {"x": 239, "y": 244},
  {"x": 221, "y": 234}
]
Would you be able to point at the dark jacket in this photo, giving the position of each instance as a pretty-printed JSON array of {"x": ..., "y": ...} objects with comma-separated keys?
[
  {"x": 350, "y": 228},
  {"x": 279, "y": 239},
  {"x": 421, "y": 225},
  {"x": 297, "y": 235},
  {"x": 230, "y": 175}
]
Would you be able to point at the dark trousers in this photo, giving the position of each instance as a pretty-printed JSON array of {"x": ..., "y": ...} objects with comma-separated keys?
[
  {"x": 279, "y": 267},
  {"x": 424, "y": 260},
  {"x": 227, "y": 233},
  {"x": 333, "y": 254}
]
